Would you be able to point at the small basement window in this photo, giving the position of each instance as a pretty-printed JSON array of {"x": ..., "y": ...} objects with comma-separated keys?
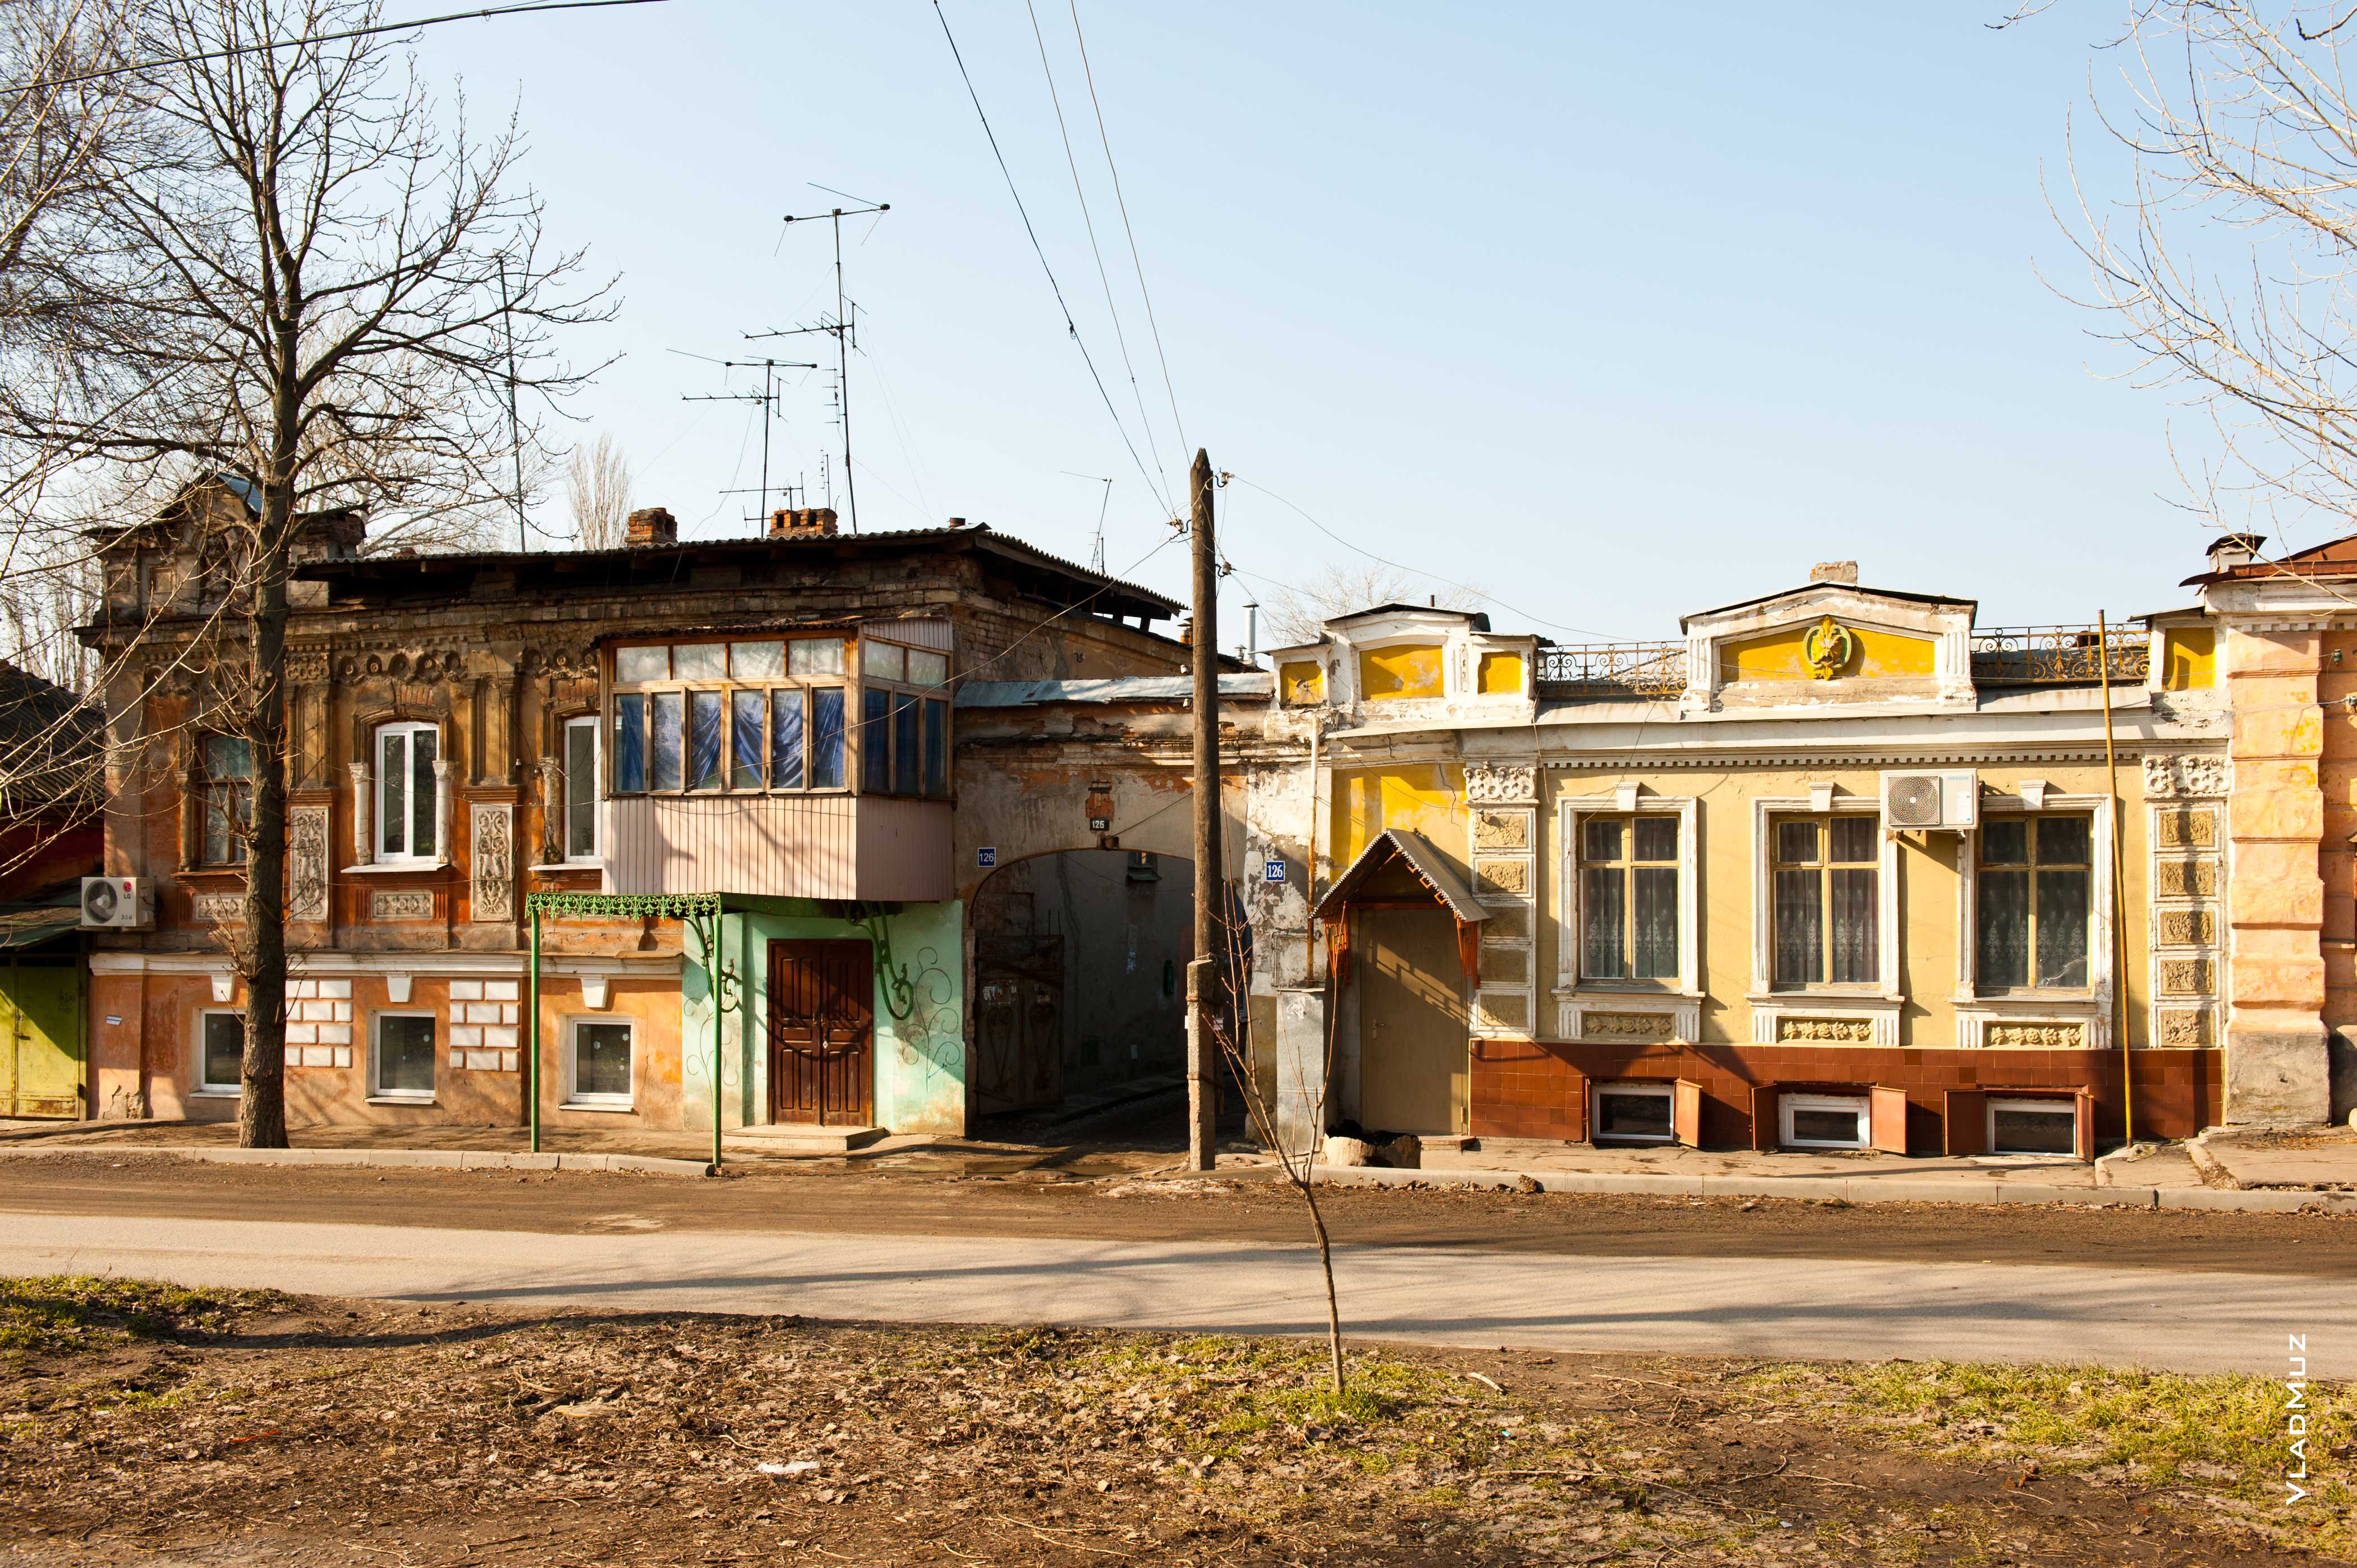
[
  {"x": 1633, "y": 1112},
  {"x": 2033, "y": 1127},
  {"x": 1825, "y": 1122}
]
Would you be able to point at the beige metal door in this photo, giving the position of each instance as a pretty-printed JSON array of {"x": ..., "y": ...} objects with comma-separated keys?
[{"x": 1415, "y": 1059}]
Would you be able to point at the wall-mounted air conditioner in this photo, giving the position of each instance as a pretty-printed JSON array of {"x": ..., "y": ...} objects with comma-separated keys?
[
  {"x": 1946, "y": 798},
  {"x": 118, "y": 903}
]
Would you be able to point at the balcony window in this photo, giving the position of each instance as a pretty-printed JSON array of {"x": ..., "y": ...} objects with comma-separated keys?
[{"x": 730, "y": 717}]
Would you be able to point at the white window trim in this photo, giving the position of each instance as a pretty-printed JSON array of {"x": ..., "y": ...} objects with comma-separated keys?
[
  {"x": 1567, "y": 982},
  {"x": 596, "y": 725},
  {"x": 2090, "y": 1008},
  {"x": 574, "y": 1099},
  {"x": 1788, "y": 1103},
  {"x": 1888, "y": 939},
  {"x": 377, "y": 1092},
  {"x": 1665, "y": 1092},
  {"x": 2067, "y": 1107},
  {"x": 441, "y": 856},
  {"x": 202, "y": 1089}
]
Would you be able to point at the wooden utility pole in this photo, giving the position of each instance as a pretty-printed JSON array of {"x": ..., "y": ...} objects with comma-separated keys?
[{"x": 1203, "y": 973}]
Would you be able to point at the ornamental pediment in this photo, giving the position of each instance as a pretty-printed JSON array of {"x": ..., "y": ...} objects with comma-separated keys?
[{"x": 1829, "y": 642}]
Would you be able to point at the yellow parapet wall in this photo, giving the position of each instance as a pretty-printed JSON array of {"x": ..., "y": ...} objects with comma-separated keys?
[
  {"x": 1501, "y": 674},
  {"x": 2188, "y": 658}
]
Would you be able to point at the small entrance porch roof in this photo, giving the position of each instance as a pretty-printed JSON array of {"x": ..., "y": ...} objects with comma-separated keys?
[{"x": 1416, "y": 852}]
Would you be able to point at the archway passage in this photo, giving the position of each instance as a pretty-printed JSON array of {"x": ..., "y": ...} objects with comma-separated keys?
[{"x": 1080, "y": 977}]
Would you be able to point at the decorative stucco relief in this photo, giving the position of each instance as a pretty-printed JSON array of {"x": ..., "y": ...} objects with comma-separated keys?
[
  {"x": 1836, "y": 1031},
  {"x": 2174, "y": 776},
  {"x": 220, "y": 908},
  {"x": 2037, "y": 1037},
  {"x": 1490, "y": 786},
  {"x": 306, "y": 863},
  {"x": 400, "y": 905},
  {"x": 494, "y": 863}
]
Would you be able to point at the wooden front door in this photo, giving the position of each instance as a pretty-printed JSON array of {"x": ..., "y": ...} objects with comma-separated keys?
[
  {"x": 822, "y": 1033},
  {"x": 1415, "y": 1059}
]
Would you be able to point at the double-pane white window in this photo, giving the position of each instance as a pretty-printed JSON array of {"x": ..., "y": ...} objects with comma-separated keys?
[
  {"x": 1629, "y": 897},
  {"x": 405, "y": 791},
  {"x": 2030, "y": 902},
  {"x": 1827, "y": 920}
]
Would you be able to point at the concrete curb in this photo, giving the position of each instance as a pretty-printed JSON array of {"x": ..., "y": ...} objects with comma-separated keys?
[
  {"x": 1857, "y": 1189},
  {"x": 402, "y": 1159}
]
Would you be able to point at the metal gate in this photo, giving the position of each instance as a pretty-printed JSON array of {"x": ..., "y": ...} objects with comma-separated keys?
[
  {"x": 42, "y": 1038},
  {"x": 1018, "y": 1025}
]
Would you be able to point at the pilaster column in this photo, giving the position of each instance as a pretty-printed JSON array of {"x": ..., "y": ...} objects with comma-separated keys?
[
  {"x": 363, "y": 815},
  {"x": 2277, "y": 1064}
]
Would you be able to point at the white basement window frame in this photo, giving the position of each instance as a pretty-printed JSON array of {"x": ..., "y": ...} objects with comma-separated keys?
[
  {"x": 2064, "y": 1113},
  {"x": 1790, "y": 1108},
  {"x": 1666, "y": 1094}
]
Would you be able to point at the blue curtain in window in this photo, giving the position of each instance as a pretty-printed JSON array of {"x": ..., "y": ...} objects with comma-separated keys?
[
  {"x": 826, "y": 738},
  {"x": 631, "y": 743}
]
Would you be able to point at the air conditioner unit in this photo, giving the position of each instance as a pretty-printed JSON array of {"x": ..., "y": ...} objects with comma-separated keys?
[
  {"x": 118, "y": 903},
  {"x": 1949, "y": 797}
]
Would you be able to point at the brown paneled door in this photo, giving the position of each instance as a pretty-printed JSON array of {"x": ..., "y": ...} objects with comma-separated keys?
[{"x": 823, "y": 1033}]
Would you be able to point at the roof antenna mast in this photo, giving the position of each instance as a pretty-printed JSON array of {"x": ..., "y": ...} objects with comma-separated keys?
[
  {"x": 768, "y": 398},
  {"x": 1096, "y": 551},
  {"x": 845, "y": 333}
]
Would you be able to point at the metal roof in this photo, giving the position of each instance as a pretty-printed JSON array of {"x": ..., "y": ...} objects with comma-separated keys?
[
  {"x": 1423, "y": 859},
  {"x": 1120, "y": 689}
]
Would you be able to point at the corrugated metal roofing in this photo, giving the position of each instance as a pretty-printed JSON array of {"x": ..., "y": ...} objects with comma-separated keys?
[
  {"x": 1422, "y": 858},
  {"x": 1120, "y": 689}
]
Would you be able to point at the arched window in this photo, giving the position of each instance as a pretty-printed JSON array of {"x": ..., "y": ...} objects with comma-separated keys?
[{"x": 406, "y": 806}]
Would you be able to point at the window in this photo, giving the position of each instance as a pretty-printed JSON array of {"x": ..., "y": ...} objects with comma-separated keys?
[
  {"x": 405, "y": 791},
  {"x": 581, "y": 790},
  {"x": 2033, "y": 1127},
  {"x": 1629, "y": 897},
  {"x": 1633, "y": 1111},
  {"x": 599, "y": 1063},
  {"x": 903, "y": 735},
  {"x": 1824, "y": 1121},
  {"x": 2030, "y": 902},
  {"x": 220, "y": 1052},
  {"x": 228, "y": 787},
  {"x": 733, "y": 716},
  {"x": 1827, "y": 915},
  {"x": 404, "y": 1056}
]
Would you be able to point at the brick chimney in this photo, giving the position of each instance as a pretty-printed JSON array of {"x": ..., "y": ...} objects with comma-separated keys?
[
  {"x": 803, "y": 522},
  {"x": 1842, "y": 572},
  {"x": 651, "y": 525},
  {"x": 2233, "y": 550}
]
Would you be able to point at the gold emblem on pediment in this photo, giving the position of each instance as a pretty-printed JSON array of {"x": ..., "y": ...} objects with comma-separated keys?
[{"x": 1827, "y": 648}]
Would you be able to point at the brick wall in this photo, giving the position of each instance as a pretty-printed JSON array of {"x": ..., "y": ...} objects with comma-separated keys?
[{"x": 1524, "y": 1088}]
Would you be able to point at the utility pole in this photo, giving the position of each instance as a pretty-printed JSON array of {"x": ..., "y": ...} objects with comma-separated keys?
[
  {"x": 515, "y": 425},
  {"x": 1203, "y": 992},
  {"x": 844, "y": 332}
]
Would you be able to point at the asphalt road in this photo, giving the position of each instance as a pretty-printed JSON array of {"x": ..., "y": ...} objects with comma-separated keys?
[{"x": 1836, "y": 1308}]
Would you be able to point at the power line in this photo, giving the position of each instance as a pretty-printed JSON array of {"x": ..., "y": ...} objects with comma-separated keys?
[
  {"x": 329, "y": 38},
  {"x": 1123, "y": 202},
  {"x": 1419, "y": 571},
  {"x": 1152, "y": 483},
  {"x": 1121, "y": 339}
]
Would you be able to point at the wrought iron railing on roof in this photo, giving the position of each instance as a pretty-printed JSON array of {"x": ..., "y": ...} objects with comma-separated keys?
[
  {"x": 2059, "y": 655},
  {"x": 1614, "y": 670},
  {"x": 2002, "y": 656}
]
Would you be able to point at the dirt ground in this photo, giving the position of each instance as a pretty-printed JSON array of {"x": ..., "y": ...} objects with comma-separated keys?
[
  {"x": 1131, "y": 1207},
  {"x": 147, "y": 1425}
]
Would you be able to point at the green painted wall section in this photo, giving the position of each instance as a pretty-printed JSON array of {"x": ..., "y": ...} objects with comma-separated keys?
[{"x": 920, "y": 1064}]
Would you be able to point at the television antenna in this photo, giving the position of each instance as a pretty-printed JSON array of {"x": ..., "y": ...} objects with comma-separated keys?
[
  {"x": 768, "y": 398},
  {"x": 1097, "y": 554},
  {"x": 841, "y": 327}
]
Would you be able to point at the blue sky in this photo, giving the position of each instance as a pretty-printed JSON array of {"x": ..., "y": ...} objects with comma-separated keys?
[{"x": 1620, "y": 312}]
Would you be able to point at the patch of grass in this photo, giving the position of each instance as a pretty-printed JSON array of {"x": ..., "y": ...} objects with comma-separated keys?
[
  {"x": 2225, "y": 1436},
  {"x": 67, "y": 1314}
]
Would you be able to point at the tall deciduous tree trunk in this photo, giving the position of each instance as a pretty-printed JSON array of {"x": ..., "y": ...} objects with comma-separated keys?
[{"x": 262, "y": 1109}]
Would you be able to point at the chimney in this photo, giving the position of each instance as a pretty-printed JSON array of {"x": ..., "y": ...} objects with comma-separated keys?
[
  {"x": 1842, "y": 572},
  {"x": 957, "y": 522},
  {"x": 651, "y": 525},
  {"x": 2233, "y": 550},
  {"x": 803, "y": 522}
]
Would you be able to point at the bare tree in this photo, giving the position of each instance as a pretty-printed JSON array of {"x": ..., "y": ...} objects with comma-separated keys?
[
  {"x": 2225, "y": 265},
  {"x": 309, "y": 306},
  {"x": 598, "y": 487},
  {"x": 1295, "y": 614}
]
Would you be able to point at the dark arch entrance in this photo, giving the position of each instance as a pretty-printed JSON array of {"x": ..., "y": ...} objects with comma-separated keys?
[{"x": 1080, "y": 961}]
